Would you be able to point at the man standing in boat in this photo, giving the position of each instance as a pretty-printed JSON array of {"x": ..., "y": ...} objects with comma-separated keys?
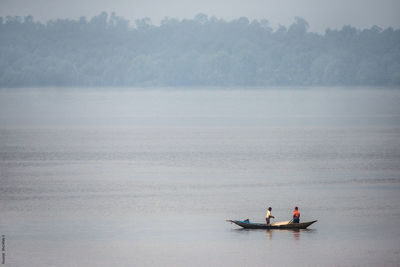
[
  {"x": 269, "y": 215},
  {"x": 296, "y": 215}
]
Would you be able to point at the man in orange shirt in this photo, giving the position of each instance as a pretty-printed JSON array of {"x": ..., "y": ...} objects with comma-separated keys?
[{"x": 296, "y": 215}]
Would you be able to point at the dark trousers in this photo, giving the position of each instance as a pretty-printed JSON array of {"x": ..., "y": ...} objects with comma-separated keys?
[{"x": 296, "y": 220}]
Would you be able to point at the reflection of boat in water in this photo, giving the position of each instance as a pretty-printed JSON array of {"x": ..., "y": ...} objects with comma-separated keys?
[{"x": 278, "y": 225}]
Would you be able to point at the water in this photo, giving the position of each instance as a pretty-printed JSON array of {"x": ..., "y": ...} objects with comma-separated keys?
[{"x": 148, "y": 177}]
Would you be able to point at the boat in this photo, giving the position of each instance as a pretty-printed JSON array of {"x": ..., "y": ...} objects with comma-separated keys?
[{"x": 278, "y": 225}]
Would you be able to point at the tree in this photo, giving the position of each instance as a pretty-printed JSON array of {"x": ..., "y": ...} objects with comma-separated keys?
[{"x": 107, "y": 51}]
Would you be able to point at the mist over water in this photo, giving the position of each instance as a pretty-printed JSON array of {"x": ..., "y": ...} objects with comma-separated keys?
[
  {"x": 202, "y": 107},
  {"x": 148, "y": 177}
]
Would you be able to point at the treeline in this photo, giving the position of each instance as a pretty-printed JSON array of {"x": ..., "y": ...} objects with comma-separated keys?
[{"x": 109, "y": 51}]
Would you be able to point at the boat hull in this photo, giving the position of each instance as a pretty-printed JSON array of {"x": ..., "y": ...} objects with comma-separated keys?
[{"x": 249, "y": 225}]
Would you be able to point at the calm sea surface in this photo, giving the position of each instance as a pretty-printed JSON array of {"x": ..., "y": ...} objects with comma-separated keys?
[{"x": 145, "y": 177}]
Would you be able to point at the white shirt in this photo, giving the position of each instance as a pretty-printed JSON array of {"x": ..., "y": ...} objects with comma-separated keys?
[{"x": 268, "y": 214}]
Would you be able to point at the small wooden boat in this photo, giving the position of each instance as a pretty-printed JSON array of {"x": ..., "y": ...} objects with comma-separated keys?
[{"x": 279, "y": 225}]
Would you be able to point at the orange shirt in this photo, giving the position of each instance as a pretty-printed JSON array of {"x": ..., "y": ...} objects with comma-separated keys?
[{"x": 296, "y": 214}]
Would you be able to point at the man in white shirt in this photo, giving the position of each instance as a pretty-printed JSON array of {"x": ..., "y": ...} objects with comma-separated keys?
[{"x": 269, "y": 215}]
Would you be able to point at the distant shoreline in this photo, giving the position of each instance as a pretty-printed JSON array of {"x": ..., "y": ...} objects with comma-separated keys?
[
  {"x": 193, "y": 88},
  {"x": 202, "y": 52}
]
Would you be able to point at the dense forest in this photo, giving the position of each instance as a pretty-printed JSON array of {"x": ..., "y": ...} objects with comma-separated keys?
[{"x": 108, "y": 50}]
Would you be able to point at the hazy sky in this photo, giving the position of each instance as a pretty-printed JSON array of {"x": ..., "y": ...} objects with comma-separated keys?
[{"x": 319, "y": 13}]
